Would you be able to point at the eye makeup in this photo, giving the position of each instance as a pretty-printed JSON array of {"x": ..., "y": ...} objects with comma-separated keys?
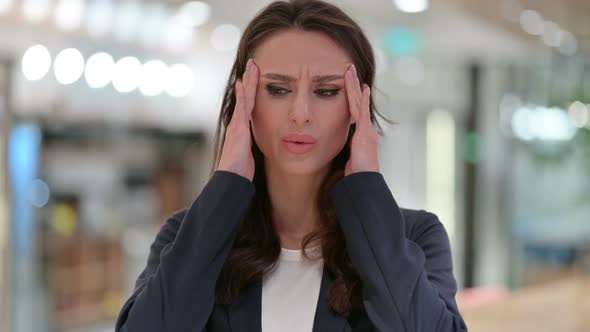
[
  {"x": 274, "y": 90},
  {"x": 277, "y": 91},
  {"x": 327, "y": 92}
]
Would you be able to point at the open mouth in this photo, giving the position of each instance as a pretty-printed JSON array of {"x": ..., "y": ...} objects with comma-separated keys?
[{"x": 298, "y": 147}]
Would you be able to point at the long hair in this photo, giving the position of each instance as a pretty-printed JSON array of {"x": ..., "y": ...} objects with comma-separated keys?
[{"x": 257, "y": 246}]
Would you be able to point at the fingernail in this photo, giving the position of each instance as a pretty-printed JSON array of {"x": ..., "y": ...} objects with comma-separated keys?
[
  {"x": 248, "y": 63},
  {"x": 349, "y": 71}
]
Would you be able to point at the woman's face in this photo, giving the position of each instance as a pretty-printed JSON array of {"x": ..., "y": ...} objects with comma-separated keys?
[{"x": 300, "y": 91}]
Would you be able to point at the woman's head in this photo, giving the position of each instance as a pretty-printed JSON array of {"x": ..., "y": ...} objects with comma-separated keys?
[
  {"x": 302, "y": 40},
  {"x": 301, "y": 90}
]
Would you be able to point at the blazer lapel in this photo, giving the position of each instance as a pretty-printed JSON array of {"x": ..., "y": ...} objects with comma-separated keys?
[
  {"x": 245, "y": 313},
  {"x": 326, "y": 319}
]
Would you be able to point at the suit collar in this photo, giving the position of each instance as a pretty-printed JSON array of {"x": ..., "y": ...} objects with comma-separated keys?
[
  {"x": 245, "y": 313},
  {"x": 326, "y": 319}
]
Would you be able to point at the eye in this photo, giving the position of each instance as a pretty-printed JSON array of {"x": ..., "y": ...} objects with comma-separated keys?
[
  {"x": 276, "y": 91},
  {"x": 327, "y": 92}
]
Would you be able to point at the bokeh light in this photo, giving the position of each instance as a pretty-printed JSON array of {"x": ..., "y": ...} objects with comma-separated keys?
[
  {"x": 178, "y": 36},
  {"x": 35, "y": 11},
  {"x": 411, "y": 6},
  {"x": 36, "y": 62},
  {"x": 225, "y": 37},
  {"x": 153, "y": 78},
  {"x": 543, "y": 123},
  {"x": 68, "y": 66},
  {"x": 39, "y": 193},
  {"x": 579, "y": 114},
  {"x": 100, "y": 18},
  {"x": 99, "y": 70},
  {"x": 531, "y": 22},
  {"x": 6, "y": 6},
  {"x": 179, "y": 80},
  {"x": 127, "y": 74},
  {"x": 551, "y": 34},
  {"x": 569, "y": 43},
  {"x": 194, "y": 13},
  {"x": 68, "y": 14}
]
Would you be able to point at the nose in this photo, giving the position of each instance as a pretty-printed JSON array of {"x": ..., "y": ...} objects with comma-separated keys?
[{"x": 300, "y": 112}]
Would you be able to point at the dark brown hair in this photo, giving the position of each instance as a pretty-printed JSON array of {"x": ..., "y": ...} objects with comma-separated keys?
[{"x": 257, "y": 246}]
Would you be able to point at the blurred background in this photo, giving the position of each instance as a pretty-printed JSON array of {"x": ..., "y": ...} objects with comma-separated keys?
[{"x": 107, "y": 112}]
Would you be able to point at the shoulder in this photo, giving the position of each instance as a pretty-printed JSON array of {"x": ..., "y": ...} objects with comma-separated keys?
[
  {"x": 178, "y": 215},
  {"x": 168, "y": 230},
  {"x": 175, "y": 219},
  {"x": 423, "y": 226}
]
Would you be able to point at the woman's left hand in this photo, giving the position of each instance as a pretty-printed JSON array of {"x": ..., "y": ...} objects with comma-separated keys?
[{"x": 364, "y": 145}]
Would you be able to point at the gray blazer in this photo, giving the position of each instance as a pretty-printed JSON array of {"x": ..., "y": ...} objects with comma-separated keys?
[{"x": 402, "y": 256}]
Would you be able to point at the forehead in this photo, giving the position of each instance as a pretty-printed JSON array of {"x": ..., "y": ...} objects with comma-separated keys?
[{"x": 290, "y": 50}]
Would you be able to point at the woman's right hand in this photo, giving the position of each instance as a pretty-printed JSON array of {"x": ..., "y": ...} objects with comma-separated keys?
[{"x": 236, "y": 154}]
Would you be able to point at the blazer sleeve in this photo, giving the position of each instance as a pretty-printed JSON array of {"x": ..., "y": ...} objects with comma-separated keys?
[
  {"x": 408, "y": 284},
  {"x": 176, "y": 290}
]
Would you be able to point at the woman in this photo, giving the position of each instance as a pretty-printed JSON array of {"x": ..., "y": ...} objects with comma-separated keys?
[{"x": 296, "y": 229}]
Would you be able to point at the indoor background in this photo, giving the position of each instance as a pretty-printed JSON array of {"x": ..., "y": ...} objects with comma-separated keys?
[{"x": 108, "y": 108}]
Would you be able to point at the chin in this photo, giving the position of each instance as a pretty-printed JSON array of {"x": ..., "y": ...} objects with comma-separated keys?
[
  {"x": 307, "y": 164},
  {"x": 299, "y": 169},
  {"x": 302, "y": 167}
]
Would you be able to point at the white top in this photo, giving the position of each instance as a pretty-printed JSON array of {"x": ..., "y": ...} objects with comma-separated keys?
[{"x": 290, "y": 292}]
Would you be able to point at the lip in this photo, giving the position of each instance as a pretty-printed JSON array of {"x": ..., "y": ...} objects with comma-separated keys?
[
  {"x": 297, "y": 137},
  {"x": 298, "y": 148},
  {"x": 299, "y": 143}
]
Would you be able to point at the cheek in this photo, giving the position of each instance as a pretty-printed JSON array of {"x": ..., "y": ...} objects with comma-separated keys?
[
  {"x": 263, "y": 125},
  {"x": 336, "y": 125},
  {"x": 337, "y": 117}
]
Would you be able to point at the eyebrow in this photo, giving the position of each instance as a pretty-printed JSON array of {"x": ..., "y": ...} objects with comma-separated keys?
[{"x": 316, "y": 79}]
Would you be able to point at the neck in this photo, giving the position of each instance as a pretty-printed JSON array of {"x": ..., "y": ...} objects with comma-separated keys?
[{"x": 293, "y": 200}]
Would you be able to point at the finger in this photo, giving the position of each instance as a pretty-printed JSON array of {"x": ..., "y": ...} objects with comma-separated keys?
[
  {"x": 245, "y": 74},
  {"x": 366, "y": 105},
  {"x": 246, "y": 78},
  {"x": 356, "y": 80},
  {"x": 239, "y": 108},
  {"x": 352, "y": 94},
  {"x": 251, "y": 86},
  {"x": 244, "y": 110},
  {"x": 357, "y": 91}
]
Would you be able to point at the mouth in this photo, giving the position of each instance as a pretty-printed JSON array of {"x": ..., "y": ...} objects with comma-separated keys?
[
  {"x": 299, "y": 143},
  {"x": 299, "y": 138},
  {"x": 298, "y": 147}
]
